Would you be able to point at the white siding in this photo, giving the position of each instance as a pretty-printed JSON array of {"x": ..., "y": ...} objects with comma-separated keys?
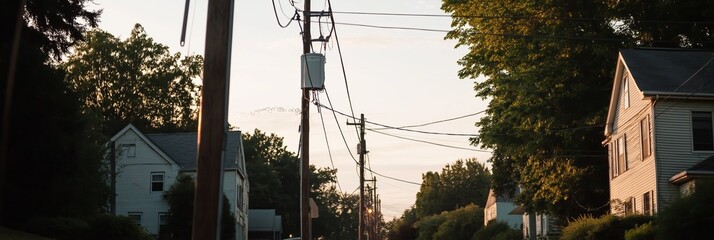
[
  {"x": 639, "y": 177},
  {"x": 133, "y": 181},
  {"x": 674, "y": 152},
  {"x": 502, "y": 210}
]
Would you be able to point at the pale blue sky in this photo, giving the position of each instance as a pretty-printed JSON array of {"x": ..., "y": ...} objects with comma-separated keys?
[{"x": 396, "y": 77}]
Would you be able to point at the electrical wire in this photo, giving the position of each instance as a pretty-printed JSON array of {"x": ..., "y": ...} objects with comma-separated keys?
[
  {"x": 275, "y": 10},
  {"x": 427, "y": 142},
  {"x": 435, "y": 122},
  {"x": 685, "y": 82},
  {"x": 424, "y": 132},
  {"x": 327, "y": 142},
  {"x": 342, "y": 62},
  {"x": 512, "y": 17},
  {"x": 511, "y": 35}
]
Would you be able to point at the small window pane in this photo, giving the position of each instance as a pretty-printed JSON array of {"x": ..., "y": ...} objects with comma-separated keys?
[
  {"x": 129, "y": 150},
  {"x": 157, "y": 177},
  {"x": 136, "y": 217},
  {"x": 702, "y": 135},
  {"x": 157, "y": 182}
]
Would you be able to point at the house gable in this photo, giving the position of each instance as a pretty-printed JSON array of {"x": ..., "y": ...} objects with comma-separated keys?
[{"x": 130, "y": 135}]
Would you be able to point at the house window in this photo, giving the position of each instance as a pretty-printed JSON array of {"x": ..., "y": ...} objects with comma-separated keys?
[
  {"x": 645, "y": 137},
  {"x": 647, "y": 204},
  {"x": 626, "y": 91},
  {"x": 618, "y": 163},
  {"x": 157, "y": 182},
  {"x": 163, "y": 225},
  {"x": 129, "y": 149},
  {"x": 702, "y": 135},
  {"x": 630, "y": 206},
  {"x": 240, "y": 198},
  {"x": 621, "y": 154},
  {"x": 136, "y": 216}
]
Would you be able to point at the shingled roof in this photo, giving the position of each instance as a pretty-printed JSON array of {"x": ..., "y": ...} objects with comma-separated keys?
[
  {"x": 665, "y": 71},
  {"x": 181, "y": 147}
]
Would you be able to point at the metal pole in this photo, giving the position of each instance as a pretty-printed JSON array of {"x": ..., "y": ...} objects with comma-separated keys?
[
  {"x": 212, "y": 121},
  {"x": 305, "y": 137}
]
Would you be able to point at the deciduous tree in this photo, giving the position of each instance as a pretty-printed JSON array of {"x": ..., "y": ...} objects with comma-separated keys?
[
  {"x": 136, "y": 81},
  {"x": 458, "y": 184}
]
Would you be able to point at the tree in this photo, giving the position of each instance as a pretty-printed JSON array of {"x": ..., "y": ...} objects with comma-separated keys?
[
  {"x": 403, "y": 228},
  {"x": 275, "y": 183},
  {"x": 548, "y": 82},
  {"x": 53, "y": 166},
  {"x": 180, "y": 223},
  {"x": 689, "y": 217},
  {"x": 459, "y": 184},
  {"x": 135, "y": 81},
  {"x": 548, "y": 69},
  {"x": 460, "y": 223}
]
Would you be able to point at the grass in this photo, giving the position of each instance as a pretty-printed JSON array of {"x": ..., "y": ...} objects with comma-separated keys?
[{"x": 9, "y": 234}]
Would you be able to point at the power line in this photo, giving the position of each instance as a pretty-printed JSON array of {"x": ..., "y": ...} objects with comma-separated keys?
[
  {"x": 278, "y": 19},
  {"x": 439, "y": 121},
  {"x": 685, "y": 82},
  {"x": 327, "y": 142},
  {"x": 512, "y": 17},
  {"x": 424, "y": 132},
  {"x": 342, "y": 62},
  {"x": 427, "y": 142},
  {"x": 511, "y": 35},
  {"x": 334, "y": 113}
]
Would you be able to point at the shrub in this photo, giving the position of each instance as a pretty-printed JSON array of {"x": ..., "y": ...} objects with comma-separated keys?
[
  {"x": 605, "y": 227},
  {"x": 497, "y": 231},
  {"x": 108, "y": 227},
  {"x": 689, "y": 217},
  {"x": 61, "y": 228},
  {"x": 642, "y": 232}
]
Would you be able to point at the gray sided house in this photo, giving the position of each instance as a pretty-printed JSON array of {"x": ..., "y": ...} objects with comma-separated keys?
[
  {"x": 659, "y": 126},
  {"x": 498, "y": 209},
  {"x": 147, "y": 166}
]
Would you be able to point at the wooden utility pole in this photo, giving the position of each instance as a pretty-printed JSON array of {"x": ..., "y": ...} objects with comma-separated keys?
[
  {"x": 305, "y": 136},
  {"x": 362, "y": 150},
  {"x": 212, "y": 121}
]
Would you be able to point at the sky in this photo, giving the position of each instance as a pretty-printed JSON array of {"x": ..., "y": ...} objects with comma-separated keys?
[{"x": 395, "y": 77}]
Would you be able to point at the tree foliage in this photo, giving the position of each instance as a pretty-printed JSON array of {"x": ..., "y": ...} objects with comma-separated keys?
[
  {"x": 135, "y": 80},
  {"x": 181, "y": 203},
  {"x": 689, "y": 217},
  {"x": 497, "y": 231},
  {"x": 402, "y": 228},
  {"x": 457, "y": 224},
  {"x": 457, "y": 185},
  {"x": 548, "y": 69},
  {"x": 275, "y": 184},
  {"x": 53, "y": 165}
]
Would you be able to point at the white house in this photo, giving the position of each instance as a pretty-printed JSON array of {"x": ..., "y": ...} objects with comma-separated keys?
[
  {"x": 498, "y": 209},
  {"x": 147, "y": 165},
  {"x": 659, "y": 126}
]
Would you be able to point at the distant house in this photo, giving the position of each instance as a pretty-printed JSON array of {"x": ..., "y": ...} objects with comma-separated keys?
[
  {"x": 498, "y": 209},
  {"x": 659, "y": 126},
  {"x": 147, "y": 165},
  {"x": 264, "y": 225}
]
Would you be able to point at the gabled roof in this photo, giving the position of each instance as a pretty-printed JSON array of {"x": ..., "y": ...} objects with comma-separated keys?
[
  {"x": 181, "y": 147},
  {"x": 143, "y": 137},
  {"x": 493, "y": 199},
  {"x": 665, "y": 71},
  {"x": 669, "y": 73}
]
